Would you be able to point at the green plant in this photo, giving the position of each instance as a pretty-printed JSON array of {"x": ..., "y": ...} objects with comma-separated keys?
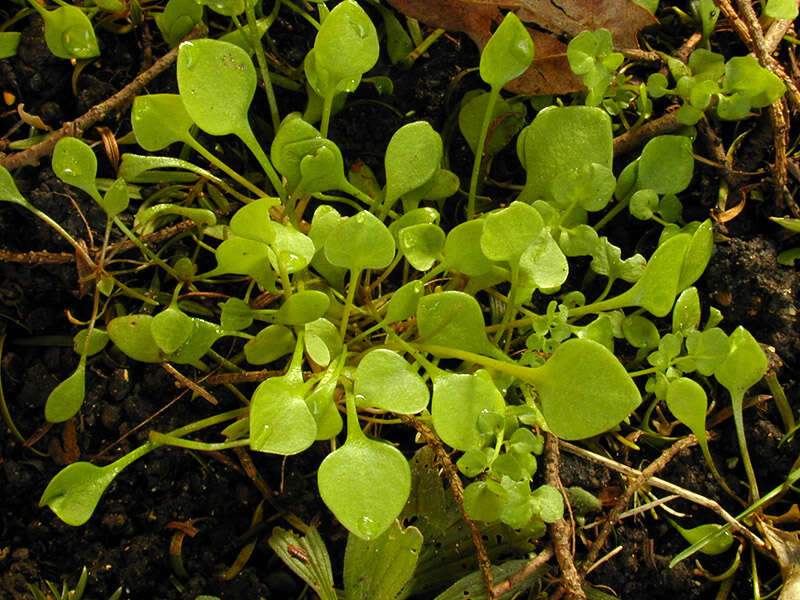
[
  {"x": 65, "y": 593},
  {"x": 382, "y": 307},
  {"x": 68, "y": 32}
]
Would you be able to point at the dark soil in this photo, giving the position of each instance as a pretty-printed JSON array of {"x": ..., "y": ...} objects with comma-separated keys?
[{"x": 127, "y": 542}]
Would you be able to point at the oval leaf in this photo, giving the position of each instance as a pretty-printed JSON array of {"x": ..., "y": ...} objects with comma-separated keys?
[
  {"x": 385, "y": 380},
  {"x": 458, "y": 400},
  {"x": 584, "y": 390}
]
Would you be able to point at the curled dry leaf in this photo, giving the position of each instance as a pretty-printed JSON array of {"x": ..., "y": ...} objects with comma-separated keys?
[{"x": 551, "y": 22}]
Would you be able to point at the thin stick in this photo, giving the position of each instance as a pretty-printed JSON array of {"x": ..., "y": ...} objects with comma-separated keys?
[
  {"x": 560, "y": 530},
  {"x": 186, "y": 382},
  {"x": 667, "y": 487},
  {"x": 655, "y": 466},
  {"x": 637, "y": 137},
  {"x": 98, "y": 112},
  {"x": 527, "y": 571},
  {"x": 451, "y": 472}
]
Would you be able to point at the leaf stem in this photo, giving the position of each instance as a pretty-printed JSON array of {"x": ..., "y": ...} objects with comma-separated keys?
[
  {"x": 736, "y": 407},
  {"x": 170, "y": 440},
  {"x": 348, "y": 302},
  {"x": 255, "y": 40},
  {"x": 480, "y": 151}
]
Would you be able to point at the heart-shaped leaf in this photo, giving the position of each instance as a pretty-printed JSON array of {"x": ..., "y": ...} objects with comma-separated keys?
[
  {"x": 160, "y": 119},
  {"x": 507, "y": 54},
  {"x": 365, "y": 483},
  {"x": 171, "y": 328},
  {"x": 253, "y": 221},
  {"x": 453, "y": 319},
  {"x": 132, "y": 335},
  {"x": 217, "y": 81},
  {"x": 270, "y": 344},
  {"x": 584, "y": 390},
  {"x": 360, "y": 242},
  {"x": 413, "y": 157},
  {"x": 280, "y": 421},
  {"x": 458, "y": 400},
  {"x": 303, "y": 307},
  {"x": 385, "y": 380},
  {"x": 508, "y": 232}
]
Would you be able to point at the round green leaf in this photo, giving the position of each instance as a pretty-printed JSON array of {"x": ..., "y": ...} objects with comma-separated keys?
[
  {"x": 688, "y": 402},
  {"x": 347, "y": 43},
  {"x": 508, "y": 232},
  {"x": 365, "y": 483},
  {"x": 462, "y": 249},
  {"x": 171, "y": 328},
  {"x": 75, "y": 491},
  {"x": 69, "y": 33},
  {"x": 666, "y": 164},
  {"x": 160, "y": 119},
  {"x": 385, "y": 380},
  {"x": 280, "y": 421},
  {"x": 707, "y": 349},
  {"x": 75, "y": 164},
  {"x": 253, "y": 221},
  {"x": 360, "y": 242},
  {"x": 559, "y": 140},
  {"x": 453, "y": 319},
  {"x": 403, "y": 304},
  {"x": 584, "y": 390},
  {"x": 116, "y": 198},
  {"x": 216, "y": 81},
  {"x": 132, "y": 335},
  {"x": 422, "y": 245},
  {"x": 303, "y": 307},
  {"x": 270, "y": 344},
  {"x": 458, "y": 400},
  {"x": 589, "y": 186}
]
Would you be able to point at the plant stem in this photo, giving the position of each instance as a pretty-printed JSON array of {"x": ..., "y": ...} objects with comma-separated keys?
[
  {"x": 201, "y": 150},
  {"x": 348, "y": 302},
  {"x": 736, "y": 407},
  {"x": 171, "y": 440},
  {"x": 255, "y": 40},
  {"x": 479, "y": 152},
  {"x": 327, "y": 104}
]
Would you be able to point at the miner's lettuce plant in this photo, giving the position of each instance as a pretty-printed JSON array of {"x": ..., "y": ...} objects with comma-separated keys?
[{"x": 378, "y": 294}]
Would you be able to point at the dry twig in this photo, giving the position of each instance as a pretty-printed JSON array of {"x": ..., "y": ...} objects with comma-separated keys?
[
  {"x": 451, "y": 472},
  {"x": 667, "y": 487},
  {"x": 560, "y": 530}
]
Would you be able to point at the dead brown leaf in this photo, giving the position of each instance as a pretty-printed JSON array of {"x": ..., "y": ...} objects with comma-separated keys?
[{"x": 551, "y": 20}]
